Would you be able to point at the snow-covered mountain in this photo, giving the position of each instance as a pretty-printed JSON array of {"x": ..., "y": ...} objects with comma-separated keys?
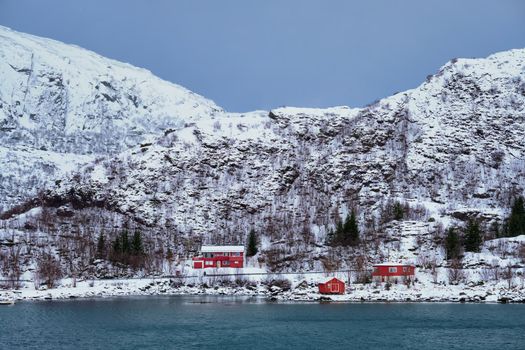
[
  {"x": 455, "y": 143},
  {"x": 148, "y": 154},
  {"x": 61, "y": 105}
]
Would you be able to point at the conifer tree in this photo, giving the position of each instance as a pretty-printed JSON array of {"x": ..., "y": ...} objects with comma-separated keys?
[
  {"x": 339, "y": 237},
  {"x": 125, "y": 246},
  {"x": 169, "y": 254},
  {"x": 398, "y": 211},
  {"x": 472, "y": 237},
  {"x": 330, "y": 237},
  {"x": 351, "y": 231},
  {"x": 117, "y": 249},
  {"x": 101, "y": 246},
  {"x": 452, "y": 244},
  {"x": 516, "y": 221},
  {"x": 136, "y": 244},
  {"x": 251, "y": 249}
]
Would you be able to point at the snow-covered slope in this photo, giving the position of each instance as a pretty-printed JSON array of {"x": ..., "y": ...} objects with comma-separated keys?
[
  {"x": 455, "y": 142},
  {"x": 63, "y": 99},
  {"x": 180, "y": 170}
]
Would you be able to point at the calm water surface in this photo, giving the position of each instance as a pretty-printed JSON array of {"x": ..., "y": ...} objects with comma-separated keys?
[{"x": 246, "y": 323}]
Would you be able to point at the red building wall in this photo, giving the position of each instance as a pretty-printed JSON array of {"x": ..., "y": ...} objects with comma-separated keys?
[
  {"x": 333, "y": 286},
  {"x": 219, "y": 260},
  {"x": 385, "y": 272}
]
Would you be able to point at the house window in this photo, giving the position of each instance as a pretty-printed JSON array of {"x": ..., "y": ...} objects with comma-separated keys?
[
  {"x": 236, "y": 254},
  {"x": 209, "y": 263},
  {"x": 392, "y": 269},
  {"x": 405, "y": 269},
  {"x": 226, "y": 263}
]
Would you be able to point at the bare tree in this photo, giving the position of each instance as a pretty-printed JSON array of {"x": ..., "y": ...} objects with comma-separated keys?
[
  {"x": 456, "y": 274},
  {"x": 433, "y": 270},
  {"x": 362, "y": 273},
  {"x": 508, "y": 274},
  {"x": 521, "y": 253},
  {"x": 496, "y": 271},
  {"x": 485, "y": 274},
  {"x": 48, "y": 269}
]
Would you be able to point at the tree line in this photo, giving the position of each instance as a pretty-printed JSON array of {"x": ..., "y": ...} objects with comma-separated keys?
[
  {"x": 346, "y": 233},
  {"x": 123, "y": 249},
  {"x": 472, "y": 237}
]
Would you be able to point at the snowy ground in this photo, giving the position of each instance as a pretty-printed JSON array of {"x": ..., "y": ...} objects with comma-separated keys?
[{"x": 303, "y": 288}]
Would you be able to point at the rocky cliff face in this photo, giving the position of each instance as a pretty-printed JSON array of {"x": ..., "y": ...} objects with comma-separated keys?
[
  {"x": 61, "y": 105},
  {"x": 145, "y": 153},
  {"x": 453, "y": 145}
]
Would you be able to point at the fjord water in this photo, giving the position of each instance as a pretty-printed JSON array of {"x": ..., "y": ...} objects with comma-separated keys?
[{"x": 196, "y": 322}]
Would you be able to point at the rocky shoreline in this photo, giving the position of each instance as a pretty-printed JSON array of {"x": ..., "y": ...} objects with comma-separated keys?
[{"x": 302, "y": 292}]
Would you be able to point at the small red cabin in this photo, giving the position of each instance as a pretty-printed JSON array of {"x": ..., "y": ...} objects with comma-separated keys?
[
  {"x": 393, "y": 272},
  {"x": 219, "y": 256},
  {"x": 333, "y": 286}
]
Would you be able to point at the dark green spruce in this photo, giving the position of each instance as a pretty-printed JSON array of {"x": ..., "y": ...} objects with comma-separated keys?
[
  {"x": 252, "y": 249},
  {"x": 452, "y": 244},
  {"x": 516, "y": 220},
  {"x": 472, "y": 237}
]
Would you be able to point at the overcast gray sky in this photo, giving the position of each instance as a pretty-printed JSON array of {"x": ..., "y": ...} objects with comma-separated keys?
[{"x": 248, "y": 55}]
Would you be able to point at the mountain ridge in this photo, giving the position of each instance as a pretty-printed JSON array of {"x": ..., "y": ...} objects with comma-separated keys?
[
  {"x": 447, "y": 152},
  {"x": 69, "y": 101}
]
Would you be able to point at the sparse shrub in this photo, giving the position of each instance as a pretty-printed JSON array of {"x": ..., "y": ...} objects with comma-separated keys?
[
  {"x": 388, "y": 285},
  {"x": 241, "y": 281},
  {"x": 280, "y": 282}
]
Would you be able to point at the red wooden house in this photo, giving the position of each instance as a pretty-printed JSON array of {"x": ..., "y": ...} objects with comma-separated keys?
[
  {"x": 393, "y": 272},
  {"x": 333, "y": 286},
  {"x": 219, "y": 256}
]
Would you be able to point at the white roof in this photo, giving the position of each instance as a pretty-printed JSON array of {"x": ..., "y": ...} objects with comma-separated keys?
[
  {"x": 221, "y": 248},
  {"x": 393, "y": 264}
]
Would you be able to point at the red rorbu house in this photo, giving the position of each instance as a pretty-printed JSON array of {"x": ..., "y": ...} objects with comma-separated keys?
[
  {"x": 219, "y": 256},
  {"x": 333, "y": 286},
  {"x": 393, "y": 272}
]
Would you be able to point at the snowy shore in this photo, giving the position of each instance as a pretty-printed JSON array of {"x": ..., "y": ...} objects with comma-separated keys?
[{"x": 300, "y": 291}]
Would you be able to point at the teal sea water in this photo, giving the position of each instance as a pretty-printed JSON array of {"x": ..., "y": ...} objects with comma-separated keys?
[{"x": 195, "y": 322}]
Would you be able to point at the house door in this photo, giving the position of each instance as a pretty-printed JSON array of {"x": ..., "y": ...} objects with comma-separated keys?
[
  {"x": 335, "y": 288},
  {"x": 218, "y": 263}
]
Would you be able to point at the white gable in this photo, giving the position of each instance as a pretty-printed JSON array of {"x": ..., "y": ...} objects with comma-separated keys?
[
  {"x": 393, "y": 264},
  {"x": 222, "y": 249}
]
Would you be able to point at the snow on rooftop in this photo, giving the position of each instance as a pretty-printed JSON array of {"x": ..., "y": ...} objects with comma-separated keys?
[
  {"x": 221, "y": 248},
  {"x": 393, "y": 264}
]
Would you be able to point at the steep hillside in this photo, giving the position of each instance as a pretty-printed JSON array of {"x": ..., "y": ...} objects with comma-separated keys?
[
  {"x": 172, "y": 167},
  {"x": 454, "y": 143},
  {"x": 61, "y": 105}
]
